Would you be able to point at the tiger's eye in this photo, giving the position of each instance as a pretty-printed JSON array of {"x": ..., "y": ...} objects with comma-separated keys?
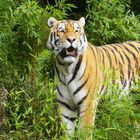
[
  {"x": 76, "y": 30},
  {"x": 62, "y": 31}
]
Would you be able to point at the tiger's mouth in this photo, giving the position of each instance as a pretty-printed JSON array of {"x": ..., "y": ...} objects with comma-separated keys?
[{"x": 69, "y": 52}]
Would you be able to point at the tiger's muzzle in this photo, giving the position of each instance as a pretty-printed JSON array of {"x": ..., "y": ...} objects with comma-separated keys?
[{"x": 68, "y": 52}]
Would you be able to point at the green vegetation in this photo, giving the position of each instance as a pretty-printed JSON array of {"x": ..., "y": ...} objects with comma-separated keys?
[
  {"x": 118, "y": 117},
  {"x": 28, "y": 109},
  {"x": 111, "y": 21}
]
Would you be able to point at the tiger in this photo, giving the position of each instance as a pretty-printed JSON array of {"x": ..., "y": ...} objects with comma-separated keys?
[{"x": 80, "y": 70}]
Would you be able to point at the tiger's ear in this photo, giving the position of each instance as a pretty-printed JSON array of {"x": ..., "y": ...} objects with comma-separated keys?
[
  {"x": 51, "y": 21},
  {"x": 82, "y": 21}
]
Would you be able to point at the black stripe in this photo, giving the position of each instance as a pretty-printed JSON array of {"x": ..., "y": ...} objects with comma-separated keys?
[
  {"x": 82, "y": 100},
  {"x": 83, "y": 72},
  {"x": 139, "y": 46},
  {"x": 113, "y": 75},
  {"x": 115, "y": 48},
  {"x": 54, "y": 34},
  {"x": 84, "y": 36},
  {"x": 108, "y": 55},
  {"x": 62, "y": 64},
  {"x": 129, "y": 64},
  {"x": 98, "y": 52},
  {"x": 80, "y": 87},
  {"x": 52, "y": 46},
  {"x": 132, "y": 45},
  {"x": 59, "y": 92},
  {"x": 51, "y": 36},
  {"x": 51, "y": 39},
  {"x": 76, "y": 68},
  {"x": 66, "y": 105},
  {"x": 95, "y": 65},
  {"x": 56, "y": 41},
  {"x": 103, "y": 59},
  {"x": 133, "y": 76},
  {"x": 124, "y": 84},
  {"x": 80, "y": 42},
  {"x": 102, "y": 88},
  {"x": 55, "y": 67},
  {"x": 72, "y": 119},
  {"x": 121, "y": 73},
  {"x": 116, "y": 61},
  {"x": 134, "y": 56},
  {"x": 94, "y": 57}
]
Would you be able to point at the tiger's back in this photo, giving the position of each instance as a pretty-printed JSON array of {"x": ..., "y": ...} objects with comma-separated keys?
[
  {"x": 120, "y": 62},
  {"x": 83, "y": 70}
]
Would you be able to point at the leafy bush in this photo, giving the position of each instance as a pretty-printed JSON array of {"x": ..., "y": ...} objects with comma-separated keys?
[
  {"x": 111, "y": 21},
  {"x": 25, "y": 28}
]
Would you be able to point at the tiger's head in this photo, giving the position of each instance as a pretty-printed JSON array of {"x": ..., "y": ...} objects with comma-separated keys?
[{"x": 67, "y": 39}]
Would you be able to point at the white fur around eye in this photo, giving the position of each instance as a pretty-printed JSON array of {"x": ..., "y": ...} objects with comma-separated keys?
[
  {"x": 76, "y": 27},
  {"x": 61, "y": 27}
]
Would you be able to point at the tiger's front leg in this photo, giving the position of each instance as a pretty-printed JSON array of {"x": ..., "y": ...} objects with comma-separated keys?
[
  {"x": 87, "y": 115},
  {"x": 68, "y": 117}
]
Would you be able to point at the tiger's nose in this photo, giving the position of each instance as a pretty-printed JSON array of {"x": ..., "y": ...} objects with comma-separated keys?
[{"x": 71, "y": 40}]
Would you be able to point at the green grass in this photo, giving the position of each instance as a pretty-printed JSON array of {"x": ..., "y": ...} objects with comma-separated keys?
[
  {"x": 117, "y": 118},
  {"x": 31, "y": 116},
  {"x": 34, "y": 116}
]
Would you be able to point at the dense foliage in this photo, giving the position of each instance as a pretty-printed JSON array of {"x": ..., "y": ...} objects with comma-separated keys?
[
  {"x": 111, "y": 21},
  {"x": 27, "y": 84}
]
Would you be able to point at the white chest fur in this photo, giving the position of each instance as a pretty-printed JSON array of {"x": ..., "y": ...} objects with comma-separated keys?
[{"x": 69, "y": 88}]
